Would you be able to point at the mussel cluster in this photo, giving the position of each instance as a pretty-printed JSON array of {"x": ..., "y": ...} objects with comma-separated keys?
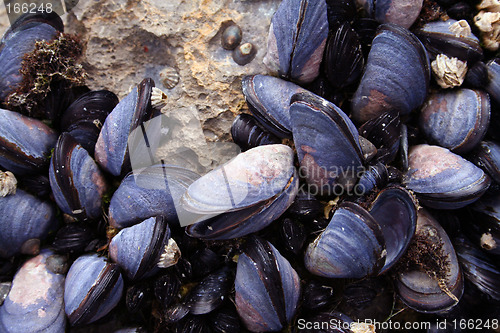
[{"x": 367, "y": 188}]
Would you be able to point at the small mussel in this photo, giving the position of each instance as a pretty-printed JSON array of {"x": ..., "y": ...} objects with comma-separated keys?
[
  {"x": 93, "y": 288},
  {"x": 76, "y": 181},
  {"x": 402, "y": 12},
  {"x": 142, "y": 249},
  {"x": 73, "y": 238},
  {"x": 35, "y": 301},
  {"x": 83, "y": 119},
  {"x": 246, "y": 133},
  {"x": 487, "y": 156},
  {"x": 327, "y": 144},
  {"x": 152, "y": 191},
  {"x": 24, "y": 221},
  {"x": 483, "y": 224},
  {"x": 267, "y": 288},
  {"x": 25, "y": 143},
  {"x": 297, "y": 38},
  {"x": 400, "y": 84},
  {"x": 268, "y": 98},
  {"x": 457, "y": 119},
  {"x": 249, "y": 192},
  {"x": 111, "y": 150},
  {"x": 442, "y": 179},
  {"x": 432, "y": 281}
]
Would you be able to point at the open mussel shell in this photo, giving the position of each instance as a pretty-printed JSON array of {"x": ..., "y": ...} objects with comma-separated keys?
[
  {"x": 155, "y": 190},
  {"x": 84, "y": 118},
  {"x": 18, "y": 41},
  {"x": 417, "y": 288},
  {"x": 439, "y": 37},
  {"x": 267, "y": 288},
  {"x": 24, "y": 221},
  {"x": 93, "y": 288},
  {"x": 327, "y": 144},
  {"x": 400, "y": 84},
  {"x": 483, "y": 224},
  {"x": 247, "y": 133},
  {"x": 457, "y": 119},
  {"x": 401, "y": 12},
  {"x": 269, "y": 100},
  {"x": 25, "y": 143},
  {"x": 442, "y": 179},
  {"x": 478, "y": 267},
  {"x": 343, "y": 60},
  {"x": 487, "y": 156},
  {"x": 76, "y": 181},
  {"x": 351, "y": 246},
  {"x": 296, "y": 40},
  {"x": 35, "y": 301},
  {"x": 138, "y": 249},
  {"x": 111, "y": 150}
]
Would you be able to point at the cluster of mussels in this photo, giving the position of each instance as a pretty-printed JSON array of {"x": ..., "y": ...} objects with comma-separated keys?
[{"x": 365, "y": 189}]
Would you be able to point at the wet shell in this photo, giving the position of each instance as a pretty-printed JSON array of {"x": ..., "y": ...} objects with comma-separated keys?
[{"x": 169, "y": 77}]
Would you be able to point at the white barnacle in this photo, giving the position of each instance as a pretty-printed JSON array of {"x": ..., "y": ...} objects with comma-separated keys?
[
  {"x": 8, "y": 183},
  {"x": 170, "y": 255},
  {"x": 158, "y": 98},
  {"x": 460, "y": 29},
  {"x": 489, "y": 24},
  {"x": 489, "y": 5},
  {"x": 448, "y": 72}
]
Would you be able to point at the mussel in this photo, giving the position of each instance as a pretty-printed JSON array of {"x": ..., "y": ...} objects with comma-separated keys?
[
  {"x": 483, "y": 224},
  {"x": 487, "y": 156},
  {"x": 401, "y": 12},
  {"x": 247, "y": 134}
]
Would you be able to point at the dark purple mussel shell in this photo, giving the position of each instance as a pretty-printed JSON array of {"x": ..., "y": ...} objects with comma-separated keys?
[
  {"x": 23, "y": 22},
  {"x": 478, "y": 267},
  {"x": 84, "y": 118},
  {"x": 73, "y": 238},
  {"x": 24, "y": 221},
  {"x": 401, "y": 12},
  {"x": 399, "y": 84},
  {"x": 457, "y": 119},
  {"x": 376, "y": 176},
  {"x": 111, "y": 150},
  {"x": 483, "y": 224},
  {"x": 493, "y": 85},
  {"x": 35, "y": 301},
  {"x": 268, "y": 98},
  {"x": 77, "y": 182},
  {"x": 155, "y": 190},
  {"x": 249, "y": 192},
  {"x": 267, "y": 288},
  {"x": 19, "y": 40},
  {"x": 487, "y": 156},
  {"x": 138, "y": 249},
  {"x": 247, "y": 133},
  {"x": 297, "y": 38},
  {"x": 438, "y": 38},
  {"x": 351, "y": 246},
  {"x": 416, "y": 287},
  {"x": 327, "y": 144},
  {"x": 93, "y": 288},
  {"x": 343, "y": 60},
  {"x": 442, "y": 179},
  {"x": 25, "y": 143},
  {"x": 339, "y": 11}
]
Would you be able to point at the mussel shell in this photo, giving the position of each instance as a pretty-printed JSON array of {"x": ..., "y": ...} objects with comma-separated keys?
[
  {"x": 24, "y": 218},
  {"x": 296, "y": 40},
  {"x": 487, "y": 157},
  {"x": 399, "y": 84},
  {"x": 35, "y": 302},
  {"x": 395, "y": 210},
  {"x": 93, "y": 288},
  {"x": 166, "y": 289},
  {"x": 339, "y": 11},
  {"x": 343, "y": 60},
  {"x": 417, "y": 289},
  {"x": 457, "y": 119},
  {"x": 137, "y": 249},
  {"x": 267, "y": 288},
  {"x": 351, "y": 246},
  {"x": 73, "y": 238},
  {"x": 401, "y": 12},
  {"x": 251, "y": 177},
  {"x": 152, "y": 191},
  {"x": 247, "y": 134},
  {"x": 269, "y": 100},
  {"x": 86, "y": 115},
  {"x": 25, "y": 143},
  {"x": 493, "y": 86},
  {"x": 375, "y": 177},
  {"x": 248, "y": 220},
  {"x": 438, "y": 39},
  {"x": 442, "y": 179},
  {"x": 327, "y": 144},
  {"x": 111, "y": 150},
  {"x": 483, "y": 227},
  {"x": 76, "y": 181},
  {"x": 225, "y": 320}
]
